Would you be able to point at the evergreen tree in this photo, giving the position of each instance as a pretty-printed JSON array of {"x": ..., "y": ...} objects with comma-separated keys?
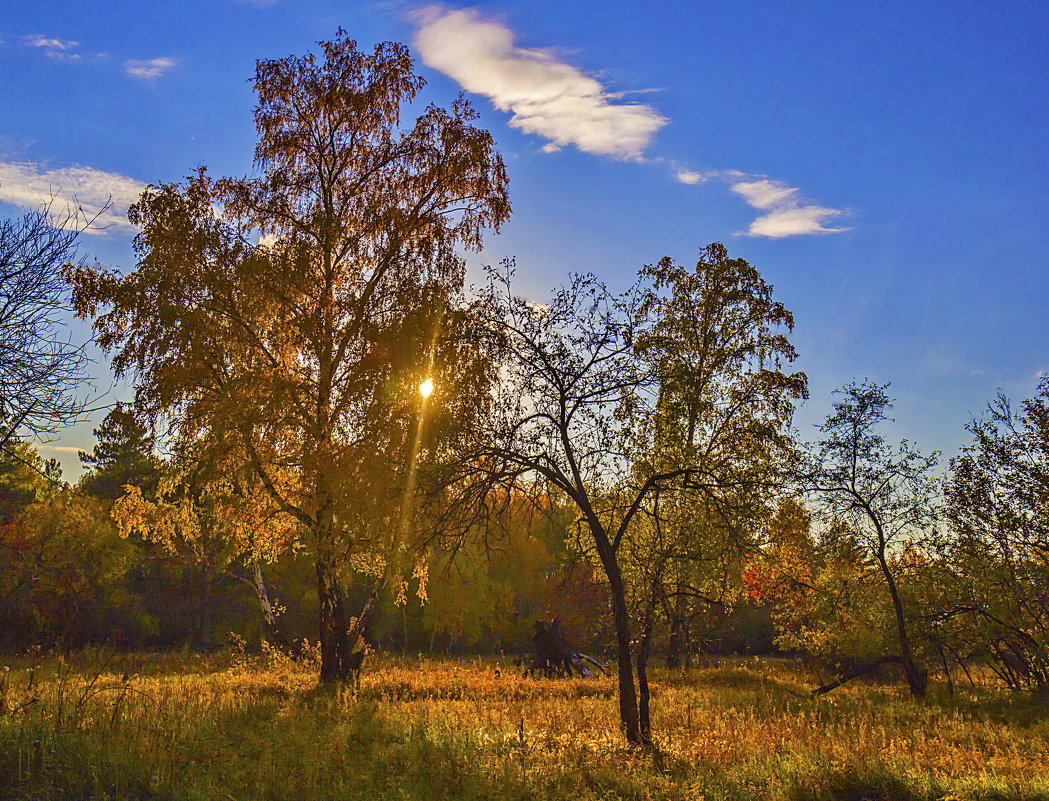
[{"x": 123, "y": 455}]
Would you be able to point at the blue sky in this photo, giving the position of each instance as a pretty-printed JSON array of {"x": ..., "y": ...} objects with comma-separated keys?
[{"x": 884, "y": 164}]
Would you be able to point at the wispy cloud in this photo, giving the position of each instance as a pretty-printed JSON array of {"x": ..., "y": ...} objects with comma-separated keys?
[
  {"x": 38, "y": 40},
  {"x": 150, "y": 68},
  {"x": 546, "y": 96},
  {"x": 54, "y": 48},
  {"x": 690, "y": 176},
  {"x": 49, "y": 43},
  {"x": 57, "y": 49},
  {"x": 59, "y": 448},
  {"x": 788, "y": 213},
  {"x": 31, "y": 185}
]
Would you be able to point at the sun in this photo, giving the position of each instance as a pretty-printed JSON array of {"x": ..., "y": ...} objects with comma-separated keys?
[{"x": 426, "y": 388}]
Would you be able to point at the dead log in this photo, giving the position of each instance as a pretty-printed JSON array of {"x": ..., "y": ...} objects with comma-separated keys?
[{"x": 554, "y": 656}]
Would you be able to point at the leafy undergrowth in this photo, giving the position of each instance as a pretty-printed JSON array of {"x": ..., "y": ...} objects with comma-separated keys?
[{"x": 149, "y": 728}]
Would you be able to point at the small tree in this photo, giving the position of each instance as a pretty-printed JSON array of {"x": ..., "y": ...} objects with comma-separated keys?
[
  {"x": 589, "y": 386},
  {"x": 885, "y": 495},
  {"x": 998, "y": 545},
  {"x": 828, "y": 599},
  {"x": 62, "y": 566},
  {"x": 215, "y": 520},
  {"x": 40, "y": 369},
  {"x": 555, "y": 429},
  {"x": 26, "y": 480},
  {"x": 717, "y": 346}
]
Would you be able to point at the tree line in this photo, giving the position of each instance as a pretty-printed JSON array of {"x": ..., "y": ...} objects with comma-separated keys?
[{"x": 328, "y": 423}]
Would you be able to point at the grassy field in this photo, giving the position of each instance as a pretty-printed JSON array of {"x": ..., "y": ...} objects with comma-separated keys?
[{"x": 231, "y": 728}]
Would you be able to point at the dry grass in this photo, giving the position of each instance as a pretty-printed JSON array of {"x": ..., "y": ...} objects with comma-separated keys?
[{"x": 211, "y": 729}]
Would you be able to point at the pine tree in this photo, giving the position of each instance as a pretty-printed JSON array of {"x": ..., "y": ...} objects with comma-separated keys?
[{"x": 123, "y": 455}]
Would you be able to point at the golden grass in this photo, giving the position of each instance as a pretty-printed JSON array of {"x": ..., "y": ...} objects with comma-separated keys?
[{"x": 200, "y": 728}]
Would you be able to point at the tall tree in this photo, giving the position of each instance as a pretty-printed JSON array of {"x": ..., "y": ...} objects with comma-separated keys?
[
  {"x": 885, "y": 494},
  {"x": 285, "y": 319}
]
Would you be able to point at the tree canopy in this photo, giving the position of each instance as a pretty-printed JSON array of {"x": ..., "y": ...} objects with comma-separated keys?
[
  {"x": 671, "y": 389},
  {"x": 283, "y": 320}
]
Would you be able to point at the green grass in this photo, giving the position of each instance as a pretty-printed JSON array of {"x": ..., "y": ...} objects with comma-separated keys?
[{"x": 221, "y": 728}]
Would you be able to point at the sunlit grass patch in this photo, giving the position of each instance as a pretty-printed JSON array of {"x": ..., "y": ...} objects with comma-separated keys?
[{"x": 443, "y": 729}]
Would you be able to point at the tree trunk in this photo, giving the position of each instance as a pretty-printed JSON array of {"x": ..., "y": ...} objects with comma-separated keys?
[
  {"x": 628, "y": 709},
  {"x": 946, "y": 668},
  {"x": 688, "y": 644},
  {"x": 676, "y": 643},
  {"x": 676, "y": 640},
  {"x": 861, "y": 670},
  {"x": 917, "y": 679},
  {"x": 643, "y": 652},
  {"x": 333, "y": 634},
  {"x": 269, "y": 617}
]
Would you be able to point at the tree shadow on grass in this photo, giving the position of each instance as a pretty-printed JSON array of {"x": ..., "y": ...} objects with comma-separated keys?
[
  {"x": 332, "y": 748},
  {"x": 1017, "y": 709},
  {"x": 316, "y": 747},
  {"x": 886, "y": 787}
]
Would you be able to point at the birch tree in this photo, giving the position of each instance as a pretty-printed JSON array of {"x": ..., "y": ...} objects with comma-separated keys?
[{"x": 286, "y": 318}]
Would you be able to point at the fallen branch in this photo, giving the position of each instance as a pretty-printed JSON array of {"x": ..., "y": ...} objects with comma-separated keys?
[{"x": 861, "y": 670}]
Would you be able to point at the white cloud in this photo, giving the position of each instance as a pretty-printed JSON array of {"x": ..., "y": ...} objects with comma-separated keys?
[
  {"x": 788, "y": 213},
  {"x": 766, "y": 194},
  {"x": 59, "y": 448},
  {"x": 49, "y": 43},
  {"x": 545, "y": 96},
  {"x": 58, "y": 49},
  {"x": 31, "y": 185},
  {"x": 538, "y": 309},
  {"x": 562, "y": 104},
  {"x": 151, "y": 68},
  {"x": 690, "y": 176}
]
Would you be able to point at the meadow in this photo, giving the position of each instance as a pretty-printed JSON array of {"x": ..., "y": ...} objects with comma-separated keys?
[{"x": 230, "y": 726}]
